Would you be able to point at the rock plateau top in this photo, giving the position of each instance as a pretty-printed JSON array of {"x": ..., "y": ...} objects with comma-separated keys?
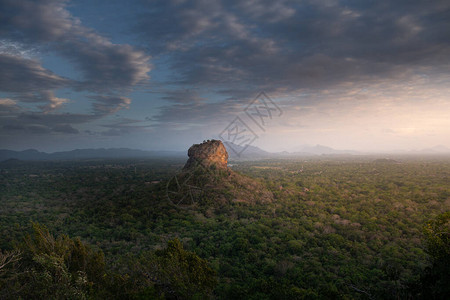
[{"x": 211, "y": 152}]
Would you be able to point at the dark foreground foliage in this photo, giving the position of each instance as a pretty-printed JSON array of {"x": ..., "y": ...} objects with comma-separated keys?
[{"x": 45, "y": 267}]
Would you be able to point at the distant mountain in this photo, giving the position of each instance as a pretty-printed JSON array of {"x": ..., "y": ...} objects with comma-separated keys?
[
  {"x": 317, "y": 149},
  {"x": 236, "y": 152},
  {"x": 111, "y": 153},
  {"x": 320, "y": 150},
  {"x": 439, "y": 149}
]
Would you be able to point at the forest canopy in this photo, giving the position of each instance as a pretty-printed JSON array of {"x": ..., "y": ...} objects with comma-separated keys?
[{"x": 338, "y": 228}]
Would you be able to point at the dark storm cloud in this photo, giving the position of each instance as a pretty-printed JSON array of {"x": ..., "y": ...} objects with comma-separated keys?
[
  {"x": 46, "y": 26},
  {"x": 20, "y": 74},
  {"x": 27, "y": 81},
  {"x": 14, "y": 118},
  {"x": 215, "y": 55},
  {"x": 290, "y": 44},
  {"x": 104, "y": 65},
  {"x": 18, "y": 121},
  {"x": 238, "y": 48},
  {"x": 34, "y": 21}
]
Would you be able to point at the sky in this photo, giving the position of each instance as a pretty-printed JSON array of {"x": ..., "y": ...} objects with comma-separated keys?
[{"x": 162, "y": 75}]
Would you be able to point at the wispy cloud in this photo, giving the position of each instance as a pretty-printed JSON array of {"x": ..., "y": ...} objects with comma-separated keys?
[{"x": 109, "y": 104}]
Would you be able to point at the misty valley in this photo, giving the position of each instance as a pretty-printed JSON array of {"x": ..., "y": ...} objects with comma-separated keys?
[{"x": 335, "y": 227}]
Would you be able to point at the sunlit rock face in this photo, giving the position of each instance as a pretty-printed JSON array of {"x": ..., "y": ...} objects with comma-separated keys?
[
  {"x": 211, "y": 152},
  {"x": 206, "y": 177}
]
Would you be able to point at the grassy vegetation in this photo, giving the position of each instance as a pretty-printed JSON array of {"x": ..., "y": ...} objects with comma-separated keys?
[{"x": 340, "y": 228}]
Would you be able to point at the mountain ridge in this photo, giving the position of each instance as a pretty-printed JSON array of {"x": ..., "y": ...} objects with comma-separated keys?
[
  {"x": 235, "y": 152},
  {"x": 33, "y": 154}
]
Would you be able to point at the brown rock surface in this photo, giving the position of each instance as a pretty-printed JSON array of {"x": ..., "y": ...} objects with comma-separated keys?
[
  {"x": 206, "y": 178},
  {"x": 211, "y": 152}
]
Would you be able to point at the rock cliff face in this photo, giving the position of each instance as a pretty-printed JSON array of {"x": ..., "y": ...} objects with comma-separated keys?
[
  {"x": 211, "y": 152},
  {"x": 206, "y": 180}
]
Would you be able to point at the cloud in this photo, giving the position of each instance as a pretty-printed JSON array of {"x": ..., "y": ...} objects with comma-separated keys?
[
  {"x": 31, "y": 28},
  {"x": 27, "y": 81},
  {"x": 109, "y": 104},
  {"x": 14, "y": 119},
  {"x": 55, "y": 118},
  {"x": 112, "y": 132},
  {"x": 214, "y": 56},
  {"x": 35, "y": 21},
  {"x": 289, "y": 45},
  {"x": 37, "y": 129},
  {"x": 8, "y": 106},
  {"x": 54, "y": 102},
  {"x": 65, "y": 128},
  {"x": 16, "y": 49},
  {"x": 20, "y": 74},
  {"x": 317, "y": 54},
  {"x": 125, "y": 126},
  {"x": 183, "y": 96},
  {"x": 104, "y": 65},
  {"x": 182, "y": 116}
]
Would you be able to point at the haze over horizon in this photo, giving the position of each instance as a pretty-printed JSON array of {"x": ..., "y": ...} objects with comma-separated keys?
[{"x": 162, "y": 75}]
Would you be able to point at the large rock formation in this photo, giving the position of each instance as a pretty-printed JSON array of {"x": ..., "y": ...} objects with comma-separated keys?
[
  {"x": 206, "y": 179},
  {"x": 211, "y": 152}
]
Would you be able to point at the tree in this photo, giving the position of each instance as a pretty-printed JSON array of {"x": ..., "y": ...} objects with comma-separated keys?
[
  {"x": 47, "y": 267},
  {"x": 177, "y": 273},
  {"x": 436, "y": 278}
]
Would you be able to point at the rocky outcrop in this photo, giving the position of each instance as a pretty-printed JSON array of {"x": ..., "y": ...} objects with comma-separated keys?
[
  {"x": 206, "y": 180},
  {"x": 211, "y": 152}
]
